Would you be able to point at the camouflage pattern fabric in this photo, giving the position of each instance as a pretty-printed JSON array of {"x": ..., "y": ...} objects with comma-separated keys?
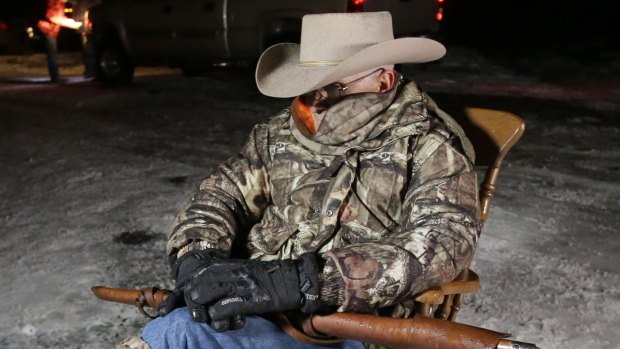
[{"x": 392, "y": 207}]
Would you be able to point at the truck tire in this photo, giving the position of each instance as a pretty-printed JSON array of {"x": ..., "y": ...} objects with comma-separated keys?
[
  {"x": 114, "y": 66},
  {"x": 280, "y": 29},
  {"x": 193, "y": 70}
]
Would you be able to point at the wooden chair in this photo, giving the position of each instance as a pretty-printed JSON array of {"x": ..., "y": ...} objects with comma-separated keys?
[{"x": 492, "y": 133}]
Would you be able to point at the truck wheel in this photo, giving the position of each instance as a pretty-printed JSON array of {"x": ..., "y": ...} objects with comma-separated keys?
[
  {"x": 193, "y": 70},
  {"x": 114, "y": 66},
  {"x": 272, "y": 39}
]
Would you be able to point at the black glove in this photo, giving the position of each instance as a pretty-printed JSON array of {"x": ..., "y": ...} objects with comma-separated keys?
[
  {"x": 182, "y": 270},
  {"x": 229, "y": 288}
]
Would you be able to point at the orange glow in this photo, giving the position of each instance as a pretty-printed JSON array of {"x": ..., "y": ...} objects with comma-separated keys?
[
  {"x": 302, "y": 115},
  {"x": 88, "y": 25},
  {"x": 355, "y": 6},
  {"x": 440, "y": 1},
  {"x": 439, "y": 15},
  {"x": 3, "y": 26}
]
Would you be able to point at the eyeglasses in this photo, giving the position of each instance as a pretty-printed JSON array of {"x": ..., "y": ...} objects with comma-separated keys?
[{"x": 334, "y": 90}]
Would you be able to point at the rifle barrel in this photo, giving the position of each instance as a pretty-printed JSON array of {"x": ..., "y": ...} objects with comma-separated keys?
[
  {"x": 508, "y": 344},
  {"x": 417, "y": 332}
]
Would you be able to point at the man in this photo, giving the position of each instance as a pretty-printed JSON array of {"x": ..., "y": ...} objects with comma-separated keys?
[
  {"x": 50, "y": 27},
  {"x": 354, "y": 199}
]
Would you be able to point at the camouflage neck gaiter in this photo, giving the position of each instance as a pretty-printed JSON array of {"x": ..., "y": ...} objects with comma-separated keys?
[{"x": 347, "y": 123}]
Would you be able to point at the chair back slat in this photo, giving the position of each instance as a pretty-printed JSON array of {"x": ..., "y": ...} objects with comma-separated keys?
[{"x": 492, "y": 134}]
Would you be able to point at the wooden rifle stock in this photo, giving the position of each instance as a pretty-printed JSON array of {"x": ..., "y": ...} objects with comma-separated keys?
[
  {"x": 419, "y": 332},
  {"x": 150, "y": 296}
]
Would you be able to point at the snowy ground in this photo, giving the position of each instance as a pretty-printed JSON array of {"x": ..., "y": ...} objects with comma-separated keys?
[{"x": 91, "y": 178}]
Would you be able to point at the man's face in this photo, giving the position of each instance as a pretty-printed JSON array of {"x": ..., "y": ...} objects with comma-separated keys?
[{"x": 363, "y": 82}]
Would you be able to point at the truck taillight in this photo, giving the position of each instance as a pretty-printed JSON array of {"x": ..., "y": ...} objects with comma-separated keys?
[
  {"x": 439, "y": 14},
  {"x": 355, "y": 6}
]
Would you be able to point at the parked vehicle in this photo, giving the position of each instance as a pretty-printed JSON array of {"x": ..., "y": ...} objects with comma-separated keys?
[{"x": 193, "y": 34}]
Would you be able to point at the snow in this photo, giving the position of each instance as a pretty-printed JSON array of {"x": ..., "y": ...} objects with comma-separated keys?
[{"x": 91, "y": 178}]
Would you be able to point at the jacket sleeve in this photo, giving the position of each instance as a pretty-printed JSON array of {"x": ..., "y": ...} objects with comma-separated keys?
[
  {"x": 228, "y": 201},
  {"x": 435, "y": 240}
]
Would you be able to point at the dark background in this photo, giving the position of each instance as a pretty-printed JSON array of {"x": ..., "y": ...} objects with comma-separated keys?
[
  {"x": 580, "y": 28},
  {"x": 568, "y": 26},
  {"x": 553, "y": 39}
]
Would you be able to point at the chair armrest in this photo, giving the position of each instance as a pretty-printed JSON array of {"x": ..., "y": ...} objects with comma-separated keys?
[
  {"x": 466, "y": 282},
  {"x": 431, "y": 296}
]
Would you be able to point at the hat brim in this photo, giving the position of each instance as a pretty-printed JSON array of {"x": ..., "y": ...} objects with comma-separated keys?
[{"x": 278, "y": 73}]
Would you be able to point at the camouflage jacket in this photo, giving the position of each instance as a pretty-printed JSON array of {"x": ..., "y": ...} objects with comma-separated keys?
[{"x": 393, "y": 215}]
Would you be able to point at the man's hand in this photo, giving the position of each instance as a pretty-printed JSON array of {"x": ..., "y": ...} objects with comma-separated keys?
[
  {"x": 181, "y": 273},
  {"x": 230, "y": 288}
]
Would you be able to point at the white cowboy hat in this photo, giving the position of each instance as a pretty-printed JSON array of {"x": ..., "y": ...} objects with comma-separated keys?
[{"x": 334, "y": 46}]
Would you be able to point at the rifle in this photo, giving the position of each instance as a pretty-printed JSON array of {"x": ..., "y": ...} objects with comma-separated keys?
[{"x": 419, "y": 332}]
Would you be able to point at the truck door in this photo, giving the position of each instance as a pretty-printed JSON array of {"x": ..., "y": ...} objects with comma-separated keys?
[
  {"x": 199, "y": 29},
  {"x": 149, "y": 29}
]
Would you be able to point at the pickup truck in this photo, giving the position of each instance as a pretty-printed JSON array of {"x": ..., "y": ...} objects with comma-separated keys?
[{"x": 196, "y": 34}]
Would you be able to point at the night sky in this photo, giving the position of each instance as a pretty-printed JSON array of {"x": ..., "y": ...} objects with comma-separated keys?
[{"x": 544, "y": 23}]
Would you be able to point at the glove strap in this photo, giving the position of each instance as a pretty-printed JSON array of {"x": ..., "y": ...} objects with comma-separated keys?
[{"x": 308, "y": 269}]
